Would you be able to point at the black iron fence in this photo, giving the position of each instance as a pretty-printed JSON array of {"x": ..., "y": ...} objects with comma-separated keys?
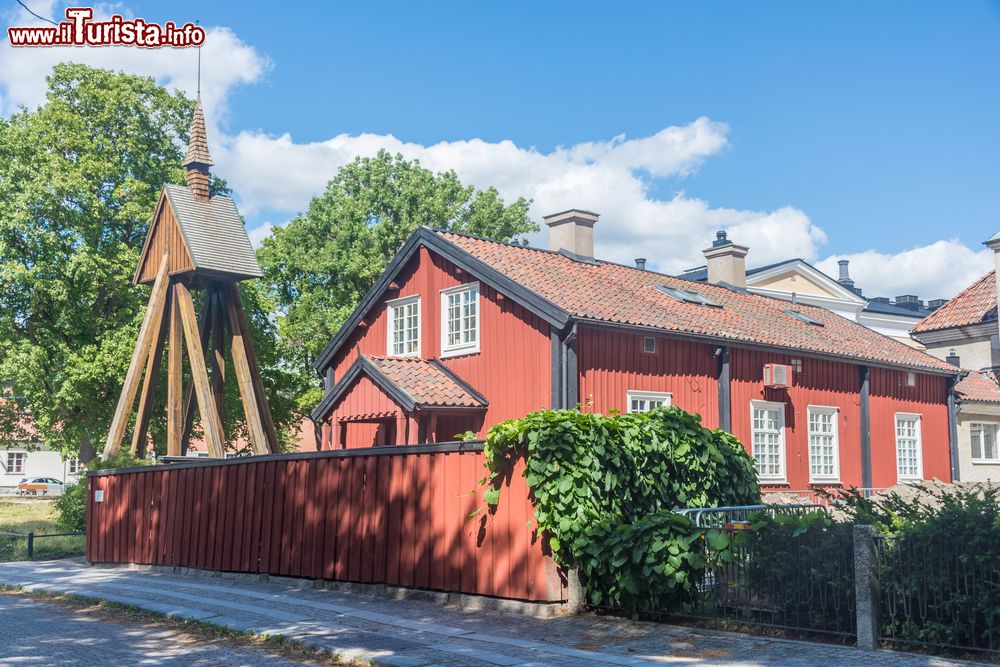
[
  {"x": 777, "y": 579},
  {"x": 31, "y": 536},
  {"x": 936, "y": 592}
]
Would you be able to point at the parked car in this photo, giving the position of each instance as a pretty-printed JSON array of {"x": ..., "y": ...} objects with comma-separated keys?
[{"x": 46, "y": 486}]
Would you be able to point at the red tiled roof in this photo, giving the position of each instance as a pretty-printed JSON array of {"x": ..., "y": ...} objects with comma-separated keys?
[
  {"x": 425, "y": 382},
  {"x": 975, "y": 304},
  {"x": 620, "y": 294},
  {"x": 979, "y": 386}
]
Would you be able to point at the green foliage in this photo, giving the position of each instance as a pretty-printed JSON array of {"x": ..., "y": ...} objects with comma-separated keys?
[
  {"x": 941, "y": 569},
  {"x": 604, "y": 488},
  {"x": 79, "y": 179},
  {"x": 71, "y": 506},
  {"x": 320, "y": 265},
  {"x": 803, "y": 566}
]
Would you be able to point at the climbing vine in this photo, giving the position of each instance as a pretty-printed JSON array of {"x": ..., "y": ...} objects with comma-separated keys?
[{"x": 604, "y": 487}]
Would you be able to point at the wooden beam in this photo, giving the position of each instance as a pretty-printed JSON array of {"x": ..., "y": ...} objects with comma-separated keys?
[
  {"x": 139, "y": 355},
  {"x": 265, "y": 409},
  {"x": 150, "y": 379},
  {"x": 210, "y": 422},
  {"x": 175, "y": 378},
  {"x": 204, "y": 331},
  {"x": 244, "y": 379},
  {"x": 217, "y": 351}
]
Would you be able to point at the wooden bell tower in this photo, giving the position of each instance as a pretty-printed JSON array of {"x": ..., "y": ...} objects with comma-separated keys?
[{"x": 195, "y": 242}]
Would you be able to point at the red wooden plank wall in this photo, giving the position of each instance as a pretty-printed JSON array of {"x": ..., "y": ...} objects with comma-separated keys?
[{"x": 399, "y": 519}]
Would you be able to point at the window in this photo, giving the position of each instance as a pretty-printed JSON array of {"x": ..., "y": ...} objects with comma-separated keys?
[
  {"x": 687, "y": 296},
  {"x": 802, "y": 317},
  {"x": 404, "y": 327},
  {"x": 644, "y": 401},
  {"x": 823, "y": 445},
  {"x": 460, "y": 320},
  {"x": 984, "y": 442},
  {"x": 908, "y": 459},
  {"x": 768, "y": 439},
  {"x": 72, "y": 466},
  {"x": 649, "y": 345},
  {"x": 15, "y": 462}
]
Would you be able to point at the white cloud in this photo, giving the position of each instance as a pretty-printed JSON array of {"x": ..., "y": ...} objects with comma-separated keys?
[
  {"x": 936, "y": 271},
  {"x": 275, "y": 176},
  {"x": 226, "y": 62},
  {"x": 611, "y": 177}
]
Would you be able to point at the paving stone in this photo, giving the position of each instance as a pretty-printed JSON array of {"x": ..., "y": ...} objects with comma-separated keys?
[{"x": 412, "y": 632}]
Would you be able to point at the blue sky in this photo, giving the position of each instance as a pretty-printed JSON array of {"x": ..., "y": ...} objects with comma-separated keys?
[{"x": 866, "y": 130}]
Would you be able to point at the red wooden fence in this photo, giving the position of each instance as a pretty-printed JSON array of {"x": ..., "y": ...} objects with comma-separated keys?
[{"x": 392, "y": 515}]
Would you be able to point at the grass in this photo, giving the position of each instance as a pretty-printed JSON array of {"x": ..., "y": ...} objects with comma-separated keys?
[
  {"x": 188, "y": 632},
  {"x": 19, "y": 515}
]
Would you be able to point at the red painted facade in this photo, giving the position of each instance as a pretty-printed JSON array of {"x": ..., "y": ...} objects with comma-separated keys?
[
  {"x": 398, "y": 518},
  {"x": 512, "y": 367},
  {"x": 514, "y": 370}
]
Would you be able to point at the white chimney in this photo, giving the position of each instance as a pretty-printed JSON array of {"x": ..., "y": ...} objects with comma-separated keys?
[
  {"x": 572, "y": 231},
  {"x": 726, "y": 262},
  {"x": 993, "y": 243}
]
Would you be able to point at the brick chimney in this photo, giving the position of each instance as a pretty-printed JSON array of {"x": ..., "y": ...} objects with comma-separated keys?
[
  {"x": 198, "y": 160},
  {"x": 572, "y": 231},
  {"x": 726, "y": 261}
]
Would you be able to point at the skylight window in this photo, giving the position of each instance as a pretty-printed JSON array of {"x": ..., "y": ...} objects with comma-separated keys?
[
  {"x": 687, "y": 296},
  {"x": 803, "y": 318}
]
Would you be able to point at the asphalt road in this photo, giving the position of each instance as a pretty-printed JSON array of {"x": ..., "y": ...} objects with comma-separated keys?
[{"x": 43, "y": 633}]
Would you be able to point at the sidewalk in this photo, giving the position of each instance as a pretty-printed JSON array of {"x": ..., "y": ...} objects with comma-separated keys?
[{"x": 411, "y": 633}]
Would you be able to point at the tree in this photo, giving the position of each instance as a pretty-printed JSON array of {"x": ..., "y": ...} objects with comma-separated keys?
[
  {"x": 320, "y": 265},
  {"x": 79, "y": 179}
]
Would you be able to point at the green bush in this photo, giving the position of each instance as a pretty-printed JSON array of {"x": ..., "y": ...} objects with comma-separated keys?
[
  {"x": 801, "y": 567},
  {"x": 71, "y": 506},
  {"x": 940, "y": 575},
  {"x": 604, "y": 487}
]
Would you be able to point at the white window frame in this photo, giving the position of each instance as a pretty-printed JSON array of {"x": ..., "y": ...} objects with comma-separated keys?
[
  {"x": 995, "y": 428},
  {"x": 635, "y": 395},
  {"x": 390, "y": 327},
  {"x": 73, "y": 466},
  {"x": 15, "y": 456},
  {"x": 918, "y": 418},
  {"x": 834, "y": 477},
  {"x": 461, "y": 348},
  {"x": 781, "y": 477}
]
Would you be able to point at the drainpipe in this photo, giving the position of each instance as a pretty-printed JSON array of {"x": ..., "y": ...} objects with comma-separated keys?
[
  {"x": 953, "y": 428},
  {"x": 570, "y": 383},
  {"x": 866, "y": 429}
]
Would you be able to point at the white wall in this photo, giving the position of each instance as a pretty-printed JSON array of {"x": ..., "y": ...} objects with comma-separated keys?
[
  {"x": 975, "y": 413},
  {"x": 38, "y": 463}
]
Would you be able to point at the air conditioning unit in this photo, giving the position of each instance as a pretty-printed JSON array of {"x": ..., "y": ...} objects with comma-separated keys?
[{"x": 777, "y": 376}]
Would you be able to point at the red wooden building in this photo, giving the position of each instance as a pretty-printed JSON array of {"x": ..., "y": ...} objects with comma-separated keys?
[{"x": 460, "y": 333}]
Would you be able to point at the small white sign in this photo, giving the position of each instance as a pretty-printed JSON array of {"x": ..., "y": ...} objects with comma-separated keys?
[{"x": 99, "y": 496}]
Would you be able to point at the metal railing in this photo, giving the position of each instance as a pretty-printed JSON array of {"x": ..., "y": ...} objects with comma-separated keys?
[
  {"x": 934, "y": 593},
  {"x": 31, "y": 536},
  {"x": 719, "y": 517}
]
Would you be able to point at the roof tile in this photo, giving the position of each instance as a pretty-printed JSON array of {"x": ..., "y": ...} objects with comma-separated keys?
[
  {"x": 980, "y": 387},
  {"x": 609, "y": 292},
  {"x": 425, "y": 382},
  {"x": 977, "y": 303}
]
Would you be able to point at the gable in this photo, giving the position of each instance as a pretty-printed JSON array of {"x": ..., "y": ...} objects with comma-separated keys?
[
  {"x": 793, "y": 281},
  {"x": 801, "y": 278},
  {"x": 164, "y": 236}
]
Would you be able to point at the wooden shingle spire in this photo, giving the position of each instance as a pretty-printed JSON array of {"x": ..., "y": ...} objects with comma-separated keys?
[
  {"x": 198, "y": 159},
  {"x": 195, "y": 242}
]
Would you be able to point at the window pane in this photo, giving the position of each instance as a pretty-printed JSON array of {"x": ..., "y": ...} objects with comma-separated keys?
[
  {"x": 462, "y": 318},
  {"x": 766, "y": 441}
]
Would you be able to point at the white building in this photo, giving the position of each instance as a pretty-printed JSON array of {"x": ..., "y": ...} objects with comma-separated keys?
[
  {"x": 16, "y": 463},
  {"x": 798, "y": 281}
]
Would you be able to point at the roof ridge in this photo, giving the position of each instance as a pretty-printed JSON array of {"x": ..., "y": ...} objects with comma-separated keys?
[{"x": 926, "y": 324}]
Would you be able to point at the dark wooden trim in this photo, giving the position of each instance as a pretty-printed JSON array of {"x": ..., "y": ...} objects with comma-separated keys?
[
  {"x": 725, "y": 394},
  {"x": 866, "y": 428},
  {"x": 956, "y": 471},
  {"x": 179, "y": 462},
  {"x": 570, "y": 370},
  {"x": 555, "y": 359},
  {"x": 425, "y": 236}
]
